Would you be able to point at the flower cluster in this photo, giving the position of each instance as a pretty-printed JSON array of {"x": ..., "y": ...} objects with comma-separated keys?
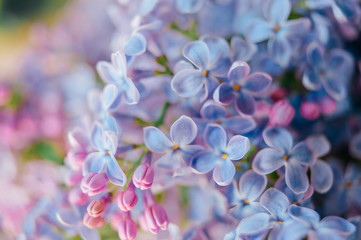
[{"x": 218, "y": 119}]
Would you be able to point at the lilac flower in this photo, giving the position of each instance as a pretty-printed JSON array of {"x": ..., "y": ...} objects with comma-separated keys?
[
  {"x": 321, "y": 172},
  {"x": 295, "y": 159},
  {"x": 355, "y": 146},
  {"x": 241, "y": 86},
  {"x": 219, "y": 158},
  {"x": 278, "y": 30},
  {"x": 242, "y": 50},
  {"x": 188, "y": 6},
  {"x": 215, "y": 113},
  {"x": 274, "y": 217},
  {"x": 329, "y": 71},
  {"x": 244, "y": 199},
  {"x": 210, "y": 56},
  {"x": 119, "y": 84},
  {"x": 309, "y": 224},
  {"x": 106, "y": 142},
  {"x": 177, "y": 150},
  {"x": 302, "y": 199}
]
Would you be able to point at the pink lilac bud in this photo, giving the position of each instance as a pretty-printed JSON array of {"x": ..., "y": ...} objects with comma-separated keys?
[
  {"x": 127, "y": 200},
  {"x": 93, "y": 222},
  {"x": 74, "y": 178},
  {"x": 75, "y": 158},
  {"x": 278, "y": 94},
  {"x": 156, "y": 218},
  {"x": 281, "y": 114},
  {"x": 327, "y": 105},
  {"x": 96, "y": 207},
  {"x": 77, "y": 197},
  {"x": 94, "y": 183},
  {"x": 143, "y": 176},
  {"x": 127, "y": 229},
  {"x": 310, "y": 110}
]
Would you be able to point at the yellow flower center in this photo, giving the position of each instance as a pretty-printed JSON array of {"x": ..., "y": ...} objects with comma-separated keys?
[
  {"x": 236, "y": 87},
  {"x": 285, "y": 157},
  {"x": 175, "y": 147},
  {"x": 277, "y": 28},
  {"x": 245, "y": 201},
  {"x": 204, "y": 73},
  {"x": 108, "y": 152},
  {"x": 280, "y": 222},
  {"x": 224, "y": 155},
  {"x": 217, "y": 121}
]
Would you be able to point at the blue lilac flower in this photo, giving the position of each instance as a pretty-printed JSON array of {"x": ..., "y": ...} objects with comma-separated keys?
[
  {"x": 244, "y": 199},
  {"x": 106, "y": 143},
  {"x": 242, "y": 50},
  {"x": 309, "y": 224},
  {"x": 210, "y": 56},
  {"x": 355, "y": 146},
  {"x": 212, "y": 112},
  {"x": 177, "y": 150},
  {"x": 241, "y": 86},
  {"x": 302, "y": 199},
  {"x": 119, "y": 85},
  {"x": 330, "y": 71},
  {"x": 295, "y": 159},
  {"x": 280, "y": 33},
  {"x": 220, "y": 155}
]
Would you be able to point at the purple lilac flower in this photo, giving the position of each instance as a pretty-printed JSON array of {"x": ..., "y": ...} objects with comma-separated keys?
[
  {"x": 119, "y": 85},
  {"x": 330, "y": 71},
  {"x": 308, "y": 224},
  {"x": 210, "y": 56},
  {"x": 241, "y": 87},
  {"x": 177, "y": 150},
  {"x": 106, "y": 143},
  {"x": 244, "y": 199},
  {"x": 220, "y": 155},
  {"x": 282, "y": 153},
  {"x": 355, "y": 146},
  {"x": 280, "y": 33}
]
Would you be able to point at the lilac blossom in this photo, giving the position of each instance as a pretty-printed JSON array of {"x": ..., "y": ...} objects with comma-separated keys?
[
  {"x": 241, "y": 86},
  {"x": 295, "y": 159},
  {"x": 220, "y": 155}
]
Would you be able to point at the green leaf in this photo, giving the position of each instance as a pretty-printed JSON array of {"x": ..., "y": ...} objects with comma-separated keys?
[{"x": 44, "y": 150}]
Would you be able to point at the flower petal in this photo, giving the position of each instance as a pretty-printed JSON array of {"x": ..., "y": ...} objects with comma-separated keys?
[
  {"x": 238, "y": 72},
  {"x": 211, "y": 110},
  {"x": 120, "y": 63},
  {"x": 237, "y": 147},
  {"x": 296, "y": 177},
  {"x": 241, "y": 49},
  {"x": 188, "y": 6},
  {"x": 239, "y": 125},
  {"x": 335, "y": 88},
  {"x": 109, "y": 96},
  {"x": 319, "y": 145},
  {"x": 303, "y": 214},
  {"x": 223, "y": 94},
  {"x": 278, "y": 138},
  {"x": 258, "y": 31},
  {"x": 274, "y": 201},
  {"x": 114, "y": 173},
  {"x": 267, "y": 160},
  {"x": 223, "y": 172},
  {"x": 277, "y": 11},
  {"x": 337, "y": 224},
  {"x": 302, "y": 154},
  {"x": 68, "y": 217},
  {"x": 131, "y": 92},
  {"x": 315, "y": 54},
  {"x": 252, "y": 185},
  {"x": 253, "y": 224},
  {"x": 188, "y": 82},
  {"x": 183, "y": 131},
  {"x": 89, "y": 234},
  {"x": 296, "y": 28},
  {"x": 321, "y": 176},
  {"x": 311, "y": 80},
  {"x": 204, "y": 162},
  {"x": 155, "y": 140},
  {"x": 198, "y": 53},
  {"x": 257, "y": 82},
  {"x": 136, "y": 45},
  {"x": 218, "y": 49},
  {"x": 245, "y": 103},
  {"x": 280, "y": 49},
  {"x": 97, "y": 136},
  {"x": 108, "y": 73},
  {"x": 215, "y": 137},
  {"x": 94, "y": 162}
]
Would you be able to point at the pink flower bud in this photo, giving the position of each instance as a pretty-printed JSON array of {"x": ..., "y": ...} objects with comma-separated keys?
[
  {"x": 96, "y": 207},
  {"x": 74, "y": 178},
  {"x": 94, "y": 183},
  {"x": 77, "y": 197},
  {"x": 93, "y": 222},
  {"x": 127, "y": 200},
  {"x": 281, "y": 114},
  {"x": 278, "y": 94},
  {"x": 127, "y": 229},
  {"x": 310, "y": 110},
  {"x": 327, "y": 105},
  {"x": 156, "y": 218},
  {"x": 75, "y": 158},
  {"x": 143, "y": 177}
]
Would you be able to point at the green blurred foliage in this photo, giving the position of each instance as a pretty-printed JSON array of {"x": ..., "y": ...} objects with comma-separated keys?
[{"x": 44, "y": 150}]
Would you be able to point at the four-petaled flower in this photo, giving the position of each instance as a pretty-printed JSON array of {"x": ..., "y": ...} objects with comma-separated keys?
[{"x": 220, "y": 155}]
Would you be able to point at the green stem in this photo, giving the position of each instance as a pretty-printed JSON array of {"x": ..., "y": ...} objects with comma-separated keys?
[
  {"x": 134, "y": 166},
  {"x": 160, "y": 120}
]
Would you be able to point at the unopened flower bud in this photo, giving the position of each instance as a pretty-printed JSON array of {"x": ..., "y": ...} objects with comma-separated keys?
[
  {"x": 127, "y": 229},
  {"x": 310, "y": 110},
  {"x": 94, "y": 183},
  {"x": 127, "y": 200},
  {"x": 93, "y": 222},
  {"x": 281, "y": 114},
  {"x": 75, "y": 158},
  {"x": 77, "y": 197},
  {"x": 96, "y": 207},
  {"x": 143, "y": 177},
  {"x": 156, "y": 218},
  {"x": 327, "y": 105}
]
